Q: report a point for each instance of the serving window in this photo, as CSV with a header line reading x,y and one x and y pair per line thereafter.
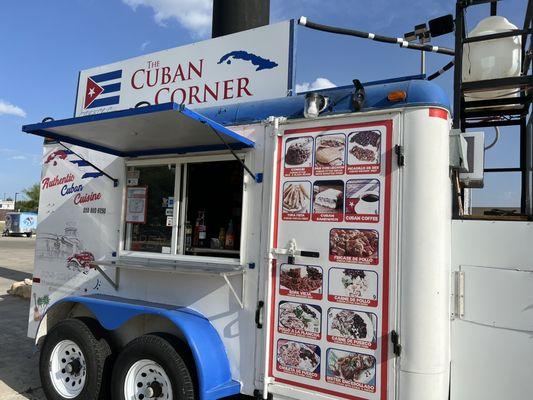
x,y
185,207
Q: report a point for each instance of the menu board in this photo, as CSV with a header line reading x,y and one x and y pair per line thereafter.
x,y
330,314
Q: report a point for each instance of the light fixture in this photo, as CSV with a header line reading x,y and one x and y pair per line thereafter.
x,y
442,25
397,95
358,96
314,104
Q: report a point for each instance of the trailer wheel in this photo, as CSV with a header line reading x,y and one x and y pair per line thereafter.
x,y
150,367
72,362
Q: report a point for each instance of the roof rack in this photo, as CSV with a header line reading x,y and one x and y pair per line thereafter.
x,y
492,112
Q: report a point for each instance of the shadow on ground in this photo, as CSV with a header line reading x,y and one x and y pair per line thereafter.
x,y
18,363
13,274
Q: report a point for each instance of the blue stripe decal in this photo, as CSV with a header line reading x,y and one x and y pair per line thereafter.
x,y
107,101
107,76
114,87
91,175
80,163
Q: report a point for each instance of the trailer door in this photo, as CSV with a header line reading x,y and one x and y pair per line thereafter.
x,y
332,285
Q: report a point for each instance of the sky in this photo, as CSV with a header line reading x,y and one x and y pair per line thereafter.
x,y
45,43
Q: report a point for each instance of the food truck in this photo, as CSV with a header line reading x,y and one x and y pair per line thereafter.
x,y
205,232
20,223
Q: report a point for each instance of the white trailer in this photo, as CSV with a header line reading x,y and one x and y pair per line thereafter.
x,y
201,253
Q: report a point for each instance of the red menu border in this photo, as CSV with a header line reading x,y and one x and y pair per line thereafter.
x,y
386,257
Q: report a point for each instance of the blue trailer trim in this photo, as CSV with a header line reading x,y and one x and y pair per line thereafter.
x,y
212,364
420,93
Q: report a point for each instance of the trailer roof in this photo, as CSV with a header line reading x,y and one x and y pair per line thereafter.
x,y
160,129
420,92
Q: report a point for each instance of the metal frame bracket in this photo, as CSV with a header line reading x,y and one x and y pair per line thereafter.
x,y
115,283
239,299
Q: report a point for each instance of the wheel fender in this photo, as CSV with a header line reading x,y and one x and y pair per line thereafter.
x,y
212,364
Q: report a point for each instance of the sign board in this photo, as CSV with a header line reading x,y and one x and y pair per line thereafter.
x,y
246,66
330,318
136,198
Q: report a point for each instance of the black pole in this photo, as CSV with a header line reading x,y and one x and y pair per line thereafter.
x,y
493,8
457,81
230,16
523,167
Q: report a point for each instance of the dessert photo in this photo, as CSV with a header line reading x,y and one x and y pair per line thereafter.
x,y
296,198
329,154
298,158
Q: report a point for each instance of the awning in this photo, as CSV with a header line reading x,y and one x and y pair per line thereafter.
x,y
152,130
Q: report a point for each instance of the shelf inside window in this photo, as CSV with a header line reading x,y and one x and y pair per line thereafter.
x,y
207,250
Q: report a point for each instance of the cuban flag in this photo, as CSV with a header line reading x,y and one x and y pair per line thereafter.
x,y
103,89
88,170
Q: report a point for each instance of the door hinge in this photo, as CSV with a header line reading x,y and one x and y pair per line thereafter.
x,y
259,314
459,295
400,156
396,346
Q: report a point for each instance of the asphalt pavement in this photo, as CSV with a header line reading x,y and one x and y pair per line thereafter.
x,y
19,375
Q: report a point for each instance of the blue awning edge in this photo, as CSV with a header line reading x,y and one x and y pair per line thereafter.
x,y
203,139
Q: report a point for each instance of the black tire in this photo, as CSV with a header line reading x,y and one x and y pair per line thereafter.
x,y
95,351
157,349
28,235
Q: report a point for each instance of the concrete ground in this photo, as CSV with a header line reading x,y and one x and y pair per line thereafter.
x,y
19,375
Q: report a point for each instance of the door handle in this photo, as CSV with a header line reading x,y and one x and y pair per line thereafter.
x,y
291,251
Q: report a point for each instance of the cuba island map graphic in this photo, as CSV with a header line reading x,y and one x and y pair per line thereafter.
x,y
260,62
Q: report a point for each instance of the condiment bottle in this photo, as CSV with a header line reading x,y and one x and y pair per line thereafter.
x,y
230,236
188,235
200,231
222,237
